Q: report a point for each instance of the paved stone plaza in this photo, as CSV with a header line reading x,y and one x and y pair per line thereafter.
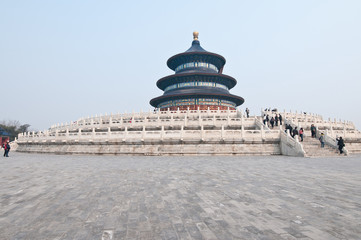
x,y
118,197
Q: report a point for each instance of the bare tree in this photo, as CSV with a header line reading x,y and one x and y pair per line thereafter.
x,y
13,128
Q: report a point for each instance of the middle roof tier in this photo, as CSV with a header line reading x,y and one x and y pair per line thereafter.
x,y
223,79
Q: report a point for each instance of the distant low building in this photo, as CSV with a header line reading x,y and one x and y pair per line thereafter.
x,y
4,136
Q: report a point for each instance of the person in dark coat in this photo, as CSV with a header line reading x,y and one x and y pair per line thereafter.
x,y
280,118
7,149
340,144
247,112
295,132
276,120
272,122
291,129
313,131
322,140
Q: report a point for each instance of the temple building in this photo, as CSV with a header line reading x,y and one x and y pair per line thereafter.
x,y
198,116
198,82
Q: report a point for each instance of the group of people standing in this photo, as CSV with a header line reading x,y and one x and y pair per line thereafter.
x,y
340,141
294,131
273,121
6,147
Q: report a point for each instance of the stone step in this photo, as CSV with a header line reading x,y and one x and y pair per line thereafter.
x,y
312,147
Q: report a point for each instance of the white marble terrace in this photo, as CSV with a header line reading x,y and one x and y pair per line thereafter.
x,y
210,125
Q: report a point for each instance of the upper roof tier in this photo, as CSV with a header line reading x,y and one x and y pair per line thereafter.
x,y
196,54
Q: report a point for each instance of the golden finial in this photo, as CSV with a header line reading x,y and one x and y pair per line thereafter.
x,y
195,35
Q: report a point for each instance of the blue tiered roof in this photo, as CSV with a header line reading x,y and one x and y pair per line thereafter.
x,y
198,81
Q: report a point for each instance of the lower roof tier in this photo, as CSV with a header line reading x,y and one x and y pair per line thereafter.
x,y
229,81
196,99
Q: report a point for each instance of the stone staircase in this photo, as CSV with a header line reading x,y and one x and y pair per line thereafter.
x,y
312,147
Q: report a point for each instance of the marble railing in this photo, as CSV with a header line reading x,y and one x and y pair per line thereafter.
x,y
160,118
291,146
292,114
305,120
162,135
330,139
149,125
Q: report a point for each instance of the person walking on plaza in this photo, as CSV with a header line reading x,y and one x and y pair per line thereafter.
x,y
6,149
247,112
301,134
313,131
340,144
322,140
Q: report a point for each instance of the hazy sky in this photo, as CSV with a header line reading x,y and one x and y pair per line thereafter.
x,y
62,60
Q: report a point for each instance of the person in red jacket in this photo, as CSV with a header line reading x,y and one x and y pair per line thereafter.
x,y
6,147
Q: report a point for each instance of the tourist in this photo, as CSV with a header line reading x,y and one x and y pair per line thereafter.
x,y
276,120
267,119
7,149
313,131
322,140
301,134
264,119
280,118
295,132
272,122
291,129
340,144
247,112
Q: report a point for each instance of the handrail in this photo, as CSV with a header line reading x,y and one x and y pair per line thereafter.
x,y
330,141
291,146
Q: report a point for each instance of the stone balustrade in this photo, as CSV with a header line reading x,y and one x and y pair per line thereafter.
x,y
152,135
163,132
152,123
163,116
291,146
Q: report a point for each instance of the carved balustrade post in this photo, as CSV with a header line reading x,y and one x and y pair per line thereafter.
x,y
242,132
182,133
162,133
222,132
125,133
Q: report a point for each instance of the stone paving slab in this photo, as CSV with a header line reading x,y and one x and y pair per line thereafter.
x,y
122,197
